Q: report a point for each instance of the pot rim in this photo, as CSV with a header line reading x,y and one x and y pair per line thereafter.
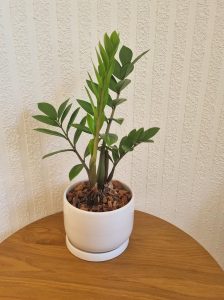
x,y
78,210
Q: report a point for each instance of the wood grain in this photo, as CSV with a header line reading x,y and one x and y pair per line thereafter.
x,y
161,262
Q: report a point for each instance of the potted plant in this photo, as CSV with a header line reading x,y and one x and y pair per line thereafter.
x,y
98,212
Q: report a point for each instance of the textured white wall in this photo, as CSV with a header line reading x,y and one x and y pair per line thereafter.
x,y
45,51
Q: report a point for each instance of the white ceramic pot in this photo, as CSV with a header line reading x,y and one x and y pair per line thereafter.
x,y
97,236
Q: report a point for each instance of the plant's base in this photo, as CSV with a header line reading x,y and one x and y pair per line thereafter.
x,y
91,256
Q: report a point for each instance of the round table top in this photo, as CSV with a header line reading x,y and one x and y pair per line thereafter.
x,y
161,262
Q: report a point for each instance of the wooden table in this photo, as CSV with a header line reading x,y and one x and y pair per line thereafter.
x,y
161,262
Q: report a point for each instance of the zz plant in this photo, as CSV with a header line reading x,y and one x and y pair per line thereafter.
x,y
111,78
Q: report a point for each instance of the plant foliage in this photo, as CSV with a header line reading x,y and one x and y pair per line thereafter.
x,y
111,72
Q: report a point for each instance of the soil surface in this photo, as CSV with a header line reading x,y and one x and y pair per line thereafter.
x,y
114,196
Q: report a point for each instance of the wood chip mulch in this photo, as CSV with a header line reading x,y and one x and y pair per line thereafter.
x,y
113,196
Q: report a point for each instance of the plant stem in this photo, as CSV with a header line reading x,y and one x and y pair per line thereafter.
x,y
111,116
104,159
110,177
92,163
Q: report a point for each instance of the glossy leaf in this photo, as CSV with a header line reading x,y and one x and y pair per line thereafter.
x,y
46,120
117,70
129,69
62,108
140,56
138,135
56,152
82,128
104,55
118,120
115,39
149,133
123,148
101,66
125,55
89,148
109,101
86,106
113,84
72,119
48,109
126,70
109,138
75,171
93,87
90,99
65,113
115,154
108,44
48,131
78,131
99,79
122,84
91,123
119,101
133,136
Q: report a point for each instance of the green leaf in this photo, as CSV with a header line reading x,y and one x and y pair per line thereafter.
x,y
51,132
75,171
99,79
86,106
91,123
113,84
104,55
118,120
46,120
115,154
101,67
148,134
65,113
48,110
138,135
82,128
93,87
109,138
91,100
78,131
126,70
109,74
125,55
123,147
126,144
133,136
72,119
122,84
89,148
109,101
129,69
115,39
119,101
117,70
62,108
140,56
108,44
56,152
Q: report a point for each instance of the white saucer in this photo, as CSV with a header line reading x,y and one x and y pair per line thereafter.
x,y
90,256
